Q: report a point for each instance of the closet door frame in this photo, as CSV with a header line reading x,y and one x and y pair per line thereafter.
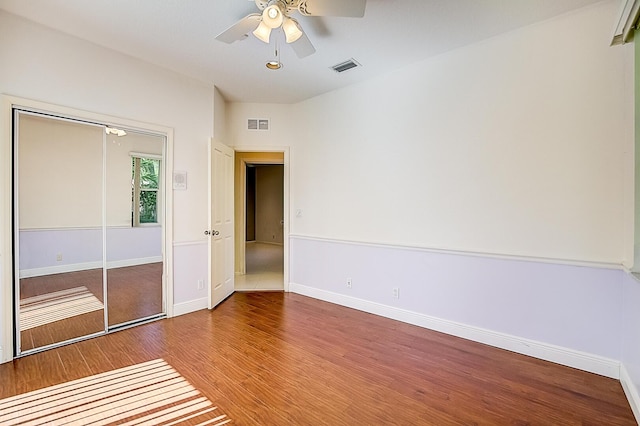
x,y
8,104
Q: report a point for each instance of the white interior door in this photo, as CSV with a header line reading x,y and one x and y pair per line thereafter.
x,y
221,249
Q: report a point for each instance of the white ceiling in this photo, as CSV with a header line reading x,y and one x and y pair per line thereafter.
x,y
180,35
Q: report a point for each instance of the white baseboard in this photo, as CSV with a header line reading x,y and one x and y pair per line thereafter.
x,y
560,355
61,269
631,391
133,262
190,306
75,267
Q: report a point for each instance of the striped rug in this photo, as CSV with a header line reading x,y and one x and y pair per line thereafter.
x,y
39,310
151,393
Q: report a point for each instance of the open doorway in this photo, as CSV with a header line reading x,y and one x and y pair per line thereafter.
x,y
260,236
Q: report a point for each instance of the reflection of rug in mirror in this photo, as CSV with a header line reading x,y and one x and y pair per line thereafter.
x,y
150,393
46,308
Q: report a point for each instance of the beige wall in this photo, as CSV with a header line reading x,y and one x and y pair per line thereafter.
x,y
513,146
269,203
60,174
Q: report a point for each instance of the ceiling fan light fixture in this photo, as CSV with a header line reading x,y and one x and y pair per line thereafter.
x,y
263,32
291,29
272,16
114,131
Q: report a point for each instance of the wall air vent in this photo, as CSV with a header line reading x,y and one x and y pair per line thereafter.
x,y
257,124
346,65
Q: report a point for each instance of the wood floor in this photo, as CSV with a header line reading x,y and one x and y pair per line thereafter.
x,y
282,358
133,292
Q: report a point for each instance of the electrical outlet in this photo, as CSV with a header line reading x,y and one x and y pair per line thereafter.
x,y
396,293
349,282
59,257
200,284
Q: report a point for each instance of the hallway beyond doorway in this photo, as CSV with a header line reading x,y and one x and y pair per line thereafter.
x,y
265,268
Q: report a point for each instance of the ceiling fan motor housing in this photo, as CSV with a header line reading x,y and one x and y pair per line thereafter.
x,y
286,6
275,14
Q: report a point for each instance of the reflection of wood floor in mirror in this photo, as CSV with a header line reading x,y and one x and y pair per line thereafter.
x,y
265,266
134,292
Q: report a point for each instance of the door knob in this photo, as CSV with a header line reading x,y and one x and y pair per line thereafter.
x,y
207,232
212,232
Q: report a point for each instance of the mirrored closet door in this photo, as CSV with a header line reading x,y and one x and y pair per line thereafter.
x,y
88,229
134,232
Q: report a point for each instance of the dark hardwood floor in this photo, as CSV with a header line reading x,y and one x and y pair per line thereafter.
x,y
281,358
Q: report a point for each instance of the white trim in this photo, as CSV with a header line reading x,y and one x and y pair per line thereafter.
x,y
167,223
143,155
103,229
560,355
83,228
286,151
190,243
133,262
190,306
6,232
240,266
60,269
458,252
70,228
626,23
85,266
630,391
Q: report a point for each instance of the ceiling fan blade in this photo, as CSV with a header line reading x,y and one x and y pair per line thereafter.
x,y
240,28
348,8
303,46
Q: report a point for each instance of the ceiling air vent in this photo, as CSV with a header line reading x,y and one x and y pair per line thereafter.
x,y
258,124
346,65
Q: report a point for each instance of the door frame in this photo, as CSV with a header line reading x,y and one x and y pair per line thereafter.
x,y
7,103
240,191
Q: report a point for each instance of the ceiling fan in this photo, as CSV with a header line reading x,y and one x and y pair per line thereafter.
x,y
275,14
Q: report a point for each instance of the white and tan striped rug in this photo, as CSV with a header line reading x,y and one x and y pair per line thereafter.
x,y
46,308
151,393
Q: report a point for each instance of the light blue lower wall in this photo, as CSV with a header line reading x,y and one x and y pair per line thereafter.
x,y
565,313
587,317
190,263
82,248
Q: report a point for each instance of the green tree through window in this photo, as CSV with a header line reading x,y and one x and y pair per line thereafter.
x,y
145,190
